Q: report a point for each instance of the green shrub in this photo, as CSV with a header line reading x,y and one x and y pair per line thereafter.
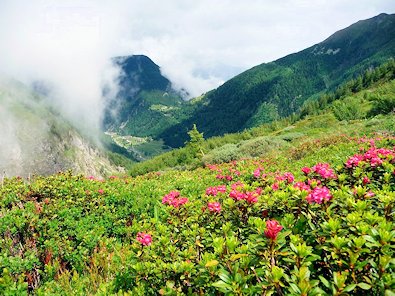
x,y
348,109
382,104
225,153
260,146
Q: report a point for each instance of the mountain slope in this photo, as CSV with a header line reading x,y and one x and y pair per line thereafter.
x,y
350,110
37,140
146,101
277,89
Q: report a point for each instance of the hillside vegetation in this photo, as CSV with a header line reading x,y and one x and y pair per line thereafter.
x,y
278,89
314,220
351,109
300,207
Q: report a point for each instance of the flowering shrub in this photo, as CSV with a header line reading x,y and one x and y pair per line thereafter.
x,y
214,207
173,199
272,229
328,230
215,190
319,195
144,238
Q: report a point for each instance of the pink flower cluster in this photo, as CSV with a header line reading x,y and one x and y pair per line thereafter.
x,y
213,167
144,238
224,177
272,229
229,177
302,186
288,177
374,156
257,172
324,170
214,207
173,199
319,195
214,190
250,196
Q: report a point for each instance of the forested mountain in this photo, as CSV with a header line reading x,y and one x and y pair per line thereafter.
x,y
145,102
277,89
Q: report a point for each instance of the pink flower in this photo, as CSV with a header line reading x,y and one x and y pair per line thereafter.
x,y
220,177
324,170
369,194
214,207
289,177
168,198
251,197
306,170
237,195
353,161
101,191
229,178
257,172
212,167
365,180
211,191
173,199
237,186
144,238
275,186
319,195
272,229
374,156
302,186
182,200
286,177
215,189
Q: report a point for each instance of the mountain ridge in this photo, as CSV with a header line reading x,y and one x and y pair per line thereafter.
x,y
272,90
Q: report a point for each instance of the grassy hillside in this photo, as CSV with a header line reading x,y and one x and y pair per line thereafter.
x,y
316,218
295,207
278,89
352,110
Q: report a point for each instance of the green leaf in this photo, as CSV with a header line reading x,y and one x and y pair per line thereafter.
x,y
212,263
325,281
225,276
295,288
222,286
349,288
237,256
364,286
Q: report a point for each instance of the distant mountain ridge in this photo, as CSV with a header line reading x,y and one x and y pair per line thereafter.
x,y
145,101
277,89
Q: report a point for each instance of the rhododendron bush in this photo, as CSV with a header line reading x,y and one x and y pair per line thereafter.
x,y
242,228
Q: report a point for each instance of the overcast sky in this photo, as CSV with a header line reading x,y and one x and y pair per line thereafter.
x,y
197,43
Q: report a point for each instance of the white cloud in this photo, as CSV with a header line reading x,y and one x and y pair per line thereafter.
x,y
198,43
